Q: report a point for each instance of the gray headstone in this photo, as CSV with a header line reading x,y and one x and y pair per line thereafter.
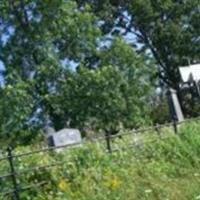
x,y
175,107
65,137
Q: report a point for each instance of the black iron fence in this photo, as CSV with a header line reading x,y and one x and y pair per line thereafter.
x,y
13,173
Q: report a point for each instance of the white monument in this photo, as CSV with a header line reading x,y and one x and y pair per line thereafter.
x,y
191,74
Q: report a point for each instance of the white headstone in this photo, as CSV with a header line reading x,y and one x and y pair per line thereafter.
x,y
190,73
65,137
195,69
185,74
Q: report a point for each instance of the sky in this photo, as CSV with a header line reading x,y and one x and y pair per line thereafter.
x,y
1,68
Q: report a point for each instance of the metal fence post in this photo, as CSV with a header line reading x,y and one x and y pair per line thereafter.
x,y
175,126
13,172
108,142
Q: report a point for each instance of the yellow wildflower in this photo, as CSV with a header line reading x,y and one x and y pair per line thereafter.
x,y
113,182
64,185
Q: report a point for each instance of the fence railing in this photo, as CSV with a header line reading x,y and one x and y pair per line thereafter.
x,y
10,157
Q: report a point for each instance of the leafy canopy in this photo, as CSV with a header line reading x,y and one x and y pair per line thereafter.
x,y
58,68
113,94
170,29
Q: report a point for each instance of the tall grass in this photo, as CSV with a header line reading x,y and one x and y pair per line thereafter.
x,y
166,169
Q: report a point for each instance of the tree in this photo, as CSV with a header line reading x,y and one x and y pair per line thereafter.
x,y
112,95
16,111
39,41
36,37
168,28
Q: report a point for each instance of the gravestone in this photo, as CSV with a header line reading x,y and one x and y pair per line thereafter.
x,y
191,74
174,105
65,137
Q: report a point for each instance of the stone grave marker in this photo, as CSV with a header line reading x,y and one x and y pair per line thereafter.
x,y
174,105
65,137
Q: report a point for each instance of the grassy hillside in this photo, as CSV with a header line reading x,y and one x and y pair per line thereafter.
x,y
166,169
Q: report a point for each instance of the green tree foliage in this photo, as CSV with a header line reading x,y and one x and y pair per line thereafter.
x,y
170,29
35,37
39,41
16,107
11,97
115,94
